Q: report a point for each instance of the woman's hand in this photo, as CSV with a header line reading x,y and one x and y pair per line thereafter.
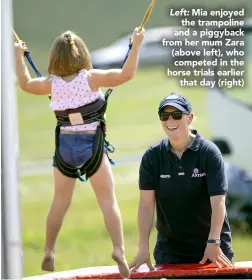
x,y
214,253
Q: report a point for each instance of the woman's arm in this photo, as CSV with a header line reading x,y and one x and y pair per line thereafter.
x,y
217,184
218,215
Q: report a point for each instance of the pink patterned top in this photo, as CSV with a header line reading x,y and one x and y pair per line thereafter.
x,y
71,95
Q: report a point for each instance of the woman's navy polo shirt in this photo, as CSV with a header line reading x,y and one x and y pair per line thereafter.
x,y
183,188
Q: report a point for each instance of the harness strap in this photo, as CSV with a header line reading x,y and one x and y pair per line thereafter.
x,y
91,166
89,113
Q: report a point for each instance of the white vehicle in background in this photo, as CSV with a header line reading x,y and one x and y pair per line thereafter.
x,y
230,121
230,112
152,52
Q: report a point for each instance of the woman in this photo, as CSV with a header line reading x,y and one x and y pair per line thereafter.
x,y
184,176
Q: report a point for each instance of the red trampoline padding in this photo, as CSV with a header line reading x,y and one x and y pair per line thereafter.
x,y
161,271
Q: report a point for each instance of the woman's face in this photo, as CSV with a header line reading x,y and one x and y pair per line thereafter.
x,y
177,124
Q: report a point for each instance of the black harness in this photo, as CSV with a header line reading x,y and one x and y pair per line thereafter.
x,y
89,113
86,114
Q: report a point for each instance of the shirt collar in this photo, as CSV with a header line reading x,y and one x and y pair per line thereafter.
x,y
194,145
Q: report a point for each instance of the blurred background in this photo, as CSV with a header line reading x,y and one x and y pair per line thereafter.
x,y
223,116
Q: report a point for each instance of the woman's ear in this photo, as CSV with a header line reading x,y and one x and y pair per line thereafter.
x,y
190,118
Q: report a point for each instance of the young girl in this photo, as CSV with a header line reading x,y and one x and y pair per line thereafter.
x,y
73,83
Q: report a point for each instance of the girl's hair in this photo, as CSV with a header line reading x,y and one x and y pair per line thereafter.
x,y
68,55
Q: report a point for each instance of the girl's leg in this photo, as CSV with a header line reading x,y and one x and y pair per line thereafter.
x,y
103,185
63,191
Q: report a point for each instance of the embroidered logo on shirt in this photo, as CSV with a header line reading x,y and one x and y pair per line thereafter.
x,y
165,176
197,174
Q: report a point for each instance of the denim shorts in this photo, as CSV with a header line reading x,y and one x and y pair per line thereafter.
x,y
76,149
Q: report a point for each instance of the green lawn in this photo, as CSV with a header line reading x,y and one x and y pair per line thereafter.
x,y
132,126
83,241
131,116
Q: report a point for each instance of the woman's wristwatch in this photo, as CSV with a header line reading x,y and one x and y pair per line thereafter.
x,y
214,241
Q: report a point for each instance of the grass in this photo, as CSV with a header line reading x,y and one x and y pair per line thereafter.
x,y
132,106
110,20
83,241
132,126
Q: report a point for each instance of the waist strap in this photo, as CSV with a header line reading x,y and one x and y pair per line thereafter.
x,y
83,115
90,167
86,114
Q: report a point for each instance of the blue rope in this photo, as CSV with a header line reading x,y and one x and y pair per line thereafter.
x,y
110,147
83,180
27,55
109,91
111,162
130,47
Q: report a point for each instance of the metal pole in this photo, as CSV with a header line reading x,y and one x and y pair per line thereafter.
x,y
12,247
3,237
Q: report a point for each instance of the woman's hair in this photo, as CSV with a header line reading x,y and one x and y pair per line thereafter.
x,y
68,55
